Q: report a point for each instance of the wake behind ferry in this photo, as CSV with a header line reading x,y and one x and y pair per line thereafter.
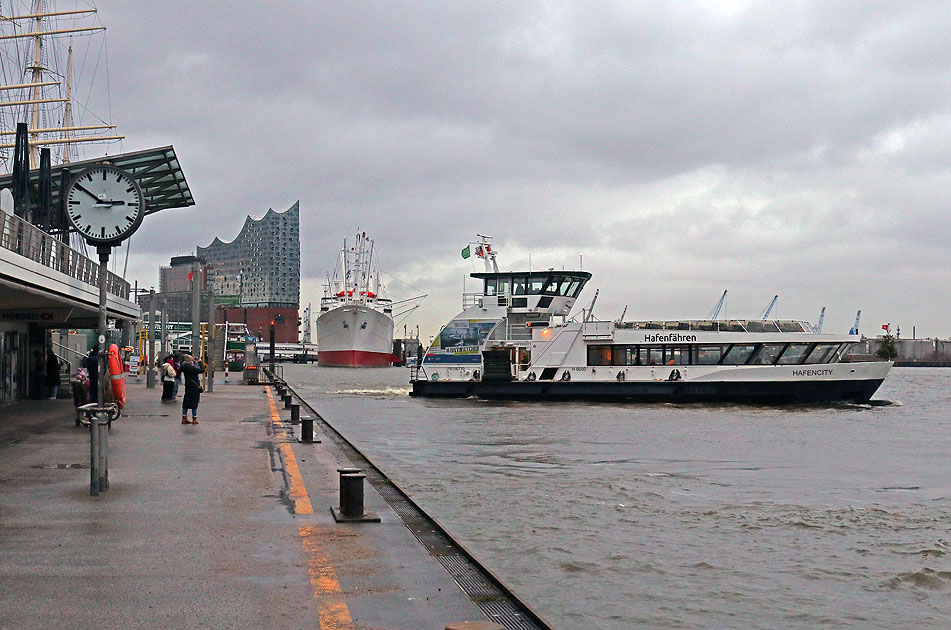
x,y
515,341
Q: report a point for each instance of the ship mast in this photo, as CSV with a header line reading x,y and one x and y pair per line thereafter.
x,y
68,114
36,85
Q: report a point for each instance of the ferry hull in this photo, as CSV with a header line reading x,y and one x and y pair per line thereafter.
x,y
354,336
758,392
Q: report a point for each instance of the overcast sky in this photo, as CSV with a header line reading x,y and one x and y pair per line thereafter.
x,y
792,148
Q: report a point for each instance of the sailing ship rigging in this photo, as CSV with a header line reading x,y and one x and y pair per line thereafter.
x,y
37,79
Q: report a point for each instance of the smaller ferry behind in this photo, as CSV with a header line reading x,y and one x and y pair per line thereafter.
x,y
514,340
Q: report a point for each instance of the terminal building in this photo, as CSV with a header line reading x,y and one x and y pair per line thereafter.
x,y
46,285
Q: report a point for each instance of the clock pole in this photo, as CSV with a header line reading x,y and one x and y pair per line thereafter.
x,y
98,473
105,211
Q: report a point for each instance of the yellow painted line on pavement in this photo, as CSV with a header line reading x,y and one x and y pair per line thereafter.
x,y
298,491
331,609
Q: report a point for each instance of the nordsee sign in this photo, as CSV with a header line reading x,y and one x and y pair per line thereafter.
x,y
26,316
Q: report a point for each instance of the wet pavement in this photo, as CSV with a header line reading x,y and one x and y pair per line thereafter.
x,y
203,526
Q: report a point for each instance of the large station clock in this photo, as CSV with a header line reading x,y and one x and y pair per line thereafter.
x,y
105,204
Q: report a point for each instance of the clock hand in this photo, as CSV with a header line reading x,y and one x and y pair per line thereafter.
x,y
113,203
94,196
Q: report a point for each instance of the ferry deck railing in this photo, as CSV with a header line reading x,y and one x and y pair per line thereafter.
x,y
25,239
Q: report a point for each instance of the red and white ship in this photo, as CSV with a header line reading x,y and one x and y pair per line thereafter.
x,y
355,324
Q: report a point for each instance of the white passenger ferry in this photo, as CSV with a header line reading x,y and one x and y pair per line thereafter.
x,y
515,340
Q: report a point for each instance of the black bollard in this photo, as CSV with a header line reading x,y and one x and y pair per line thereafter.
x,y
287,401
307,431
295,415
351,508
351,494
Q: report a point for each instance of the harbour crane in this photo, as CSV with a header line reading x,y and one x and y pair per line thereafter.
x,y
822,316
716,309
855,329
769,309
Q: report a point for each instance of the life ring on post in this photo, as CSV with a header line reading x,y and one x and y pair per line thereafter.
x,y
566,375
116,377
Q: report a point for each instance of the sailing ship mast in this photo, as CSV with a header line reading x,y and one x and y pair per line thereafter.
x,y
47,136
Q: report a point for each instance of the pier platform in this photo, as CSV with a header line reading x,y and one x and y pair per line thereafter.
x,y
223,524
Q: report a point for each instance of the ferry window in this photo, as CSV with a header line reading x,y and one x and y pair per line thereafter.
x,y
767,354
707,355
794,354
622,355
678,355
491,286
600,355
821,353
519,285
841,354
632,356
503,286
535,285
738,355
654,356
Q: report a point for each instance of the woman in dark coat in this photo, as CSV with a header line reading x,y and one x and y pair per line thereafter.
x,y
52,374
191,368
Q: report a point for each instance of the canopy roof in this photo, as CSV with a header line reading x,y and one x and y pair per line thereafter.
x,y
156,170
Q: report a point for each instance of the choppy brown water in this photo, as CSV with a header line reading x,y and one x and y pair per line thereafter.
x,y
623,516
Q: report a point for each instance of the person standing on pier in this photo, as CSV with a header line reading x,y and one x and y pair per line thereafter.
x,y
92,366
52,374
177,364
191,368
167,370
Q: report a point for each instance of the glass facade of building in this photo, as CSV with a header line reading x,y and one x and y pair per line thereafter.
x,y
261,266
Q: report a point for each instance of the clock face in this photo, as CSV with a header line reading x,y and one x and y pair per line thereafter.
x,y
104,204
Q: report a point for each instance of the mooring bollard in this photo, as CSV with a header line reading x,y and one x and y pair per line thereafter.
x,y
307,431
295,416
351,508
351,494
287,401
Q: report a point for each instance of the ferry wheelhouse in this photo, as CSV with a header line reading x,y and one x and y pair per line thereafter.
x,y
515,340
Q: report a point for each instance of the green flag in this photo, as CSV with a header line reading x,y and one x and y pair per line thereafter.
x,y
465,252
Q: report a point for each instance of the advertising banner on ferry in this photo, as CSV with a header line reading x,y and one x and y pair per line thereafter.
x,y
461,341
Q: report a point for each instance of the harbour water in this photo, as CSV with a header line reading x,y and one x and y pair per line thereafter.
x,y
617,516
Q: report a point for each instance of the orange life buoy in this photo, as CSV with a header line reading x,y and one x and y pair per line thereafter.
x,y
116,376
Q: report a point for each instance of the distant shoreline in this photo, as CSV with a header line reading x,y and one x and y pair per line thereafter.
x,y
902,363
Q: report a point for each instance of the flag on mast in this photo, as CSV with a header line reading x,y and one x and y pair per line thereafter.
x,y
466,253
